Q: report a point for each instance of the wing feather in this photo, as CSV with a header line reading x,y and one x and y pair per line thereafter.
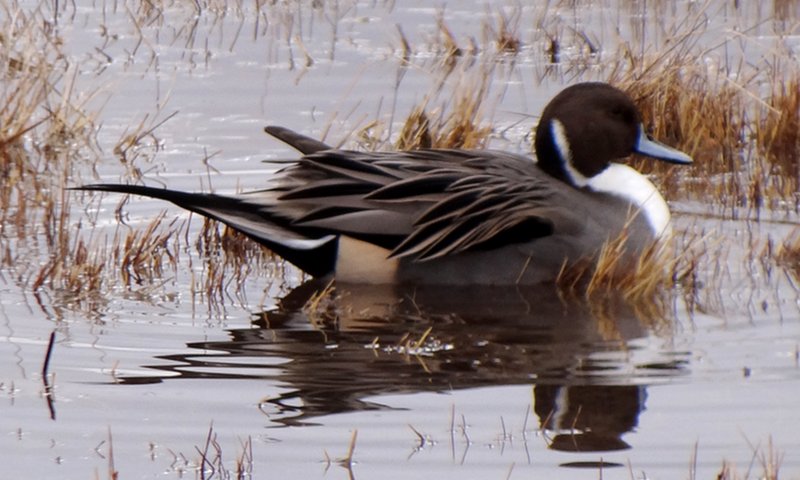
x,y
422,204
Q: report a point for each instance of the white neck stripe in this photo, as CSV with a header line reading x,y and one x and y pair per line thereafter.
x,y
565,152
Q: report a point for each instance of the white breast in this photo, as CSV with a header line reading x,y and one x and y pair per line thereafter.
x,y
625,182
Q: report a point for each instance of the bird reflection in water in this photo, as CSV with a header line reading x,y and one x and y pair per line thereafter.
x,y
362,342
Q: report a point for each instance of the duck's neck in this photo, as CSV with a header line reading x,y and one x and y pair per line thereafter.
x,y
553,152
556,158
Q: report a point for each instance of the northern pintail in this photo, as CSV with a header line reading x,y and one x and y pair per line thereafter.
x,y
456,217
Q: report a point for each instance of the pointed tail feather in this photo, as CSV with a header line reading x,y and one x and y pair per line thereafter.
x,y
301,143
315,256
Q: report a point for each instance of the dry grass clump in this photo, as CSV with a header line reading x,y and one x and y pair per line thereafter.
x,y
229,258
81,269
143,254
453,115
37,97
209,461
28,78
769,459
777,132
505,32
458,129
73,267
647,280
786,255
457,125
449,52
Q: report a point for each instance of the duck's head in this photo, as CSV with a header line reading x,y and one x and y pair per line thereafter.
x,y
589,125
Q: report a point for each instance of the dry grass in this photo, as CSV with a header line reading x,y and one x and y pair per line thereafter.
x,y
448,50
345,462
786,255
46,132
81,270
459,125
211,461
322,308
456,113
144,254
777,132
767,458
228,260
505,32
648,281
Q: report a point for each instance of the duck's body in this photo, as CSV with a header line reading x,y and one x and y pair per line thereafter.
x,y
456,217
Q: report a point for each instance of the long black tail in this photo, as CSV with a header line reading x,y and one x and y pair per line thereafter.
x,y
314,254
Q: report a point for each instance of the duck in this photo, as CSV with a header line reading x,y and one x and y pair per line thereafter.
x,y
456,217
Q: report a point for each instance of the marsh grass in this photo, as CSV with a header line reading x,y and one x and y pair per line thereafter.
x,y
47,131
323,307
82,269
777,132
210,460
765,459
48,134
144,254
501,31
228,260
648,281
785,255
457,125
449,51
346,461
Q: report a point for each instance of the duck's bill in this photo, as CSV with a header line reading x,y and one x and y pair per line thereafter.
x,y
651,148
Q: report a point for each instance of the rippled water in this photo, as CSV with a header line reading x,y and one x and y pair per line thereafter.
x,y
441,383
